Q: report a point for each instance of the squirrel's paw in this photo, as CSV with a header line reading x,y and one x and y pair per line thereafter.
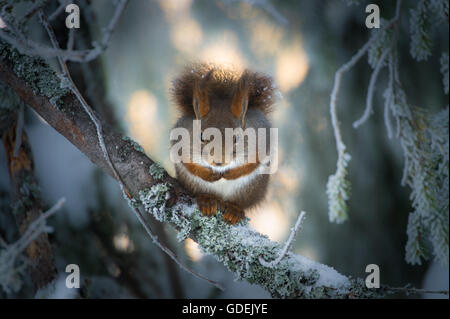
x,y
207,204
232,213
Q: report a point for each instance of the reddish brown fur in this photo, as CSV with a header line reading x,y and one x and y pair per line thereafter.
x,y
204,173
240,171
223,98
222,84
209,175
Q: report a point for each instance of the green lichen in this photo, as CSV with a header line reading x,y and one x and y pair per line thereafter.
x,y
135,145
157,171
154,200
239,248
358,289
36,73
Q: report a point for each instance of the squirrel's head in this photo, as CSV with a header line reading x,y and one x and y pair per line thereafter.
x,y
223,99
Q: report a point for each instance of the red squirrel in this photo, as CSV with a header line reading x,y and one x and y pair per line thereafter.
x,y
223,98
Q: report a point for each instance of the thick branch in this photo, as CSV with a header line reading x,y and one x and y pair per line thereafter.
x,y
27,204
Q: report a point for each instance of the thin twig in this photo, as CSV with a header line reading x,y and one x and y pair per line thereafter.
x,y
346,67
98,125
372,82
13,251
31,48
339,178
374,76
32,11
287,245
389,96
390,90
36,228
71,39
411,290
58,10
19,130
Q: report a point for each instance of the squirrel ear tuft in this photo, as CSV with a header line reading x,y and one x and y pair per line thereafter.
x,y
239,105
200,100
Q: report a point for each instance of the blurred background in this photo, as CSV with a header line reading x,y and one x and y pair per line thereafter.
x,y
300,44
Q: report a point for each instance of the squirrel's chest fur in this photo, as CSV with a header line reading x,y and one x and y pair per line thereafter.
x,y
223,188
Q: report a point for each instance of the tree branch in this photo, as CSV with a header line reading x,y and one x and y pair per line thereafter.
x,y
27,201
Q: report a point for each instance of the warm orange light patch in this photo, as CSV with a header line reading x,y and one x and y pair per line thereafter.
x,y
224,51
288,179
172,8
123,243
192,250
2,24
142,119
270,220
291,67
186,35
265,37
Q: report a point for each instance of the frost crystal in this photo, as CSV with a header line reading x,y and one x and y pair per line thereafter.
x,y
338,191
12,262
381,39
154,200
420,27
425,143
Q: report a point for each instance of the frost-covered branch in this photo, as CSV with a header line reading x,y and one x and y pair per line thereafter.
x,y
10,273
11,35
287,245
25,192
373,80
338,186
423,136
59,9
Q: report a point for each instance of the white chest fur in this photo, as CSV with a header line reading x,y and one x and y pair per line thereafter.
x,y
223,187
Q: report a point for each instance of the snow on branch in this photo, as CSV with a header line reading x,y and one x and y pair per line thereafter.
x,y
287,245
